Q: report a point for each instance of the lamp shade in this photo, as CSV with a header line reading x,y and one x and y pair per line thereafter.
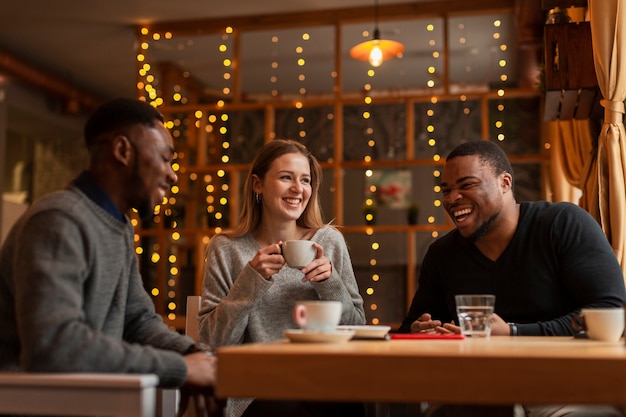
x,y
388,49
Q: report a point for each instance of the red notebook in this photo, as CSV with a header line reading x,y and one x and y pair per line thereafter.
x,y
407,336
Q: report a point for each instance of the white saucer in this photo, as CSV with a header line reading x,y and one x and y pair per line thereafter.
x,y
367,332
307,336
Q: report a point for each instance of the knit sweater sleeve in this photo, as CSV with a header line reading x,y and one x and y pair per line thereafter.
x,y
230,289
558,262
341,285
587,268
80,305
240,306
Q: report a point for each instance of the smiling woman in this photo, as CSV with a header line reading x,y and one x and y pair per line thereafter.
x,y
248,291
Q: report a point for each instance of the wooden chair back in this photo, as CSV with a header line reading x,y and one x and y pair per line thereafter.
x,y
191,319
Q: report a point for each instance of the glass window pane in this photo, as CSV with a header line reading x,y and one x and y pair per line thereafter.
x,y
442,125
213,203
379,262
426,194
202,201
284,64
188,69
245,134
514,124
178,124
419,69
376,132
312,126
422,242
217,137
145,251
527,181
482,52
391,192
327,193
180,273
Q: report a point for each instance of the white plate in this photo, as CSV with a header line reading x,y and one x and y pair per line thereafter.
x,y
304,336
367,332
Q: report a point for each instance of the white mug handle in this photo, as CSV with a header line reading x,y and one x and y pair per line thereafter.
x,y
299,315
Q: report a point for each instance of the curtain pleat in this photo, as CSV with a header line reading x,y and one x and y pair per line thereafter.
x,y
608,34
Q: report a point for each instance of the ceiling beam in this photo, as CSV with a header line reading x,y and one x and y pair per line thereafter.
x,y
330,17
551,4
75,99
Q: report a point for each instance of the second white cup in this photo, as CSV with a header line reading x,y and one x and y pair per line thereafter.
x,y
320,316
605,324
298,253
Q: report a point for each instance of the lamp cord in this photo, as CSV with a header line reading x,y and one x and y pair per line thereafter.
x,y
376,30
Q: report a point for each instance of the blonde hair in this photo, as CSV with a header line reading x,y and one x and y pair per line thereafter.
x,y
250,217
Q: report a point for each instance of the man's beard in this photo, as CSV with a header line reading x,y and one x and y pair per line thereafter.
x,y
483,229
145,210
144,206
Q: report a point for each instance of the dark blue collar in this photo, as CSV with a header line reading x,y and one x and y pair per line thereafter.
x,y
90,187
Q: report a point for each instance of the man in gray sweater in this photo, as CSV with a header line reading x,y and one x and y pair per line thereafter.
x,y
71,296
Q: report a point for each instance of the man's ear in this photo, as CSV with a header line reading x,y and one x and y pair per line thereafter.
x,y
507,182
123,150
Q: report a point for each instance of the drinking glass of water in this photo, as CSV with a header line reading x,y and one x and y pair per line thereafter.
x,y
474,312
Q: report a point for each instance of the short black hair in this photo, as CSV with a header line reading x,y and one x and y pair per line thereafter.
x,y
488,152
116,116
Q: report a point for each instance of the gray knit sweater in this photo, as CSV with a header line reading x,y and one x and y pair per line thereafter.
x,y
72,300
240,306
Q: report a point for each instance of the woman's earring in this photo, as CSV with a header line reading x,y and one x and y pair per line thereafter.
x,y
258,198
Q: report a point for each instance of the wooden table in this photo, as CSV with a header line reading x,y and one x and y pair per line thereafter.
x,y
78,394
499,370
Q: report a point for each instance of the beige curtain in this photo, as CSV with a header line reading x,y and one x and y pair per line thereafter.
x,y
571,145
590,198
608,33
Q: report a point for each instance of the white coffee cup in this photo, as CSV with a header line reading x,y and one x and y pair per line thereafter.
x,y
298,253
320,316
605,324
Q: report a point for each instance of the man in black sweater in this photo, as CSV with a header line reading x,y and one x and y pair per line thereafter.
x,y
543,261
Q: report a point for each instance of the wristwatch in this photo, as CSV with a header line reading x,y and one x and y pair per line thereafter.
x,y
513,328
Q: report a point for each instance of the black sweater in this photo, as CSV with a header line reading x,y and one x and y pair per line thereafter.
x,y
558,262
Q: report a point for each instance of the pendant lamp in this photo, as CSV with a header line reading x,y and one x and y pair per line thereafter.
x,y
376,50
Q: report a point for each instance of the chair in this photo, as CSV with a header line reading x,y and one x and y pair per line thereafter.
x,y
169,398
78,394
191,320
191,330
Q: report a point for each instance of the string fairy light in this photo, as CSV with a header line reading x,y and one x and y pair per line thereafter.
x,y
430,128
221,128
369,208
502,64
274,67
301,62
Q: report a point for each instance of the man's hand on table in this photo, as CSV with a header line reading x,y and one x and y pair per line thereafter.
x,y
199,386
426,324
